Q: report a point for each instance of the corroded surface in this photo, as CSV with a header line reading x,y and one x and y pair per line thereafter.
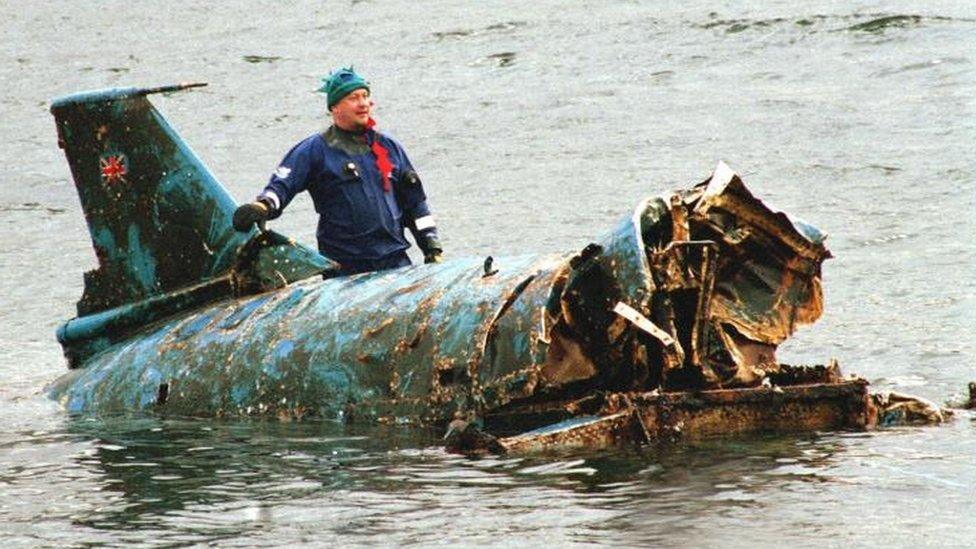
x,y
654,417
676,312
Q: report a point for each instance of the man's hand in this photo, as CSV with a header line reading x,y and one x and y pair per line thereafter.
x,y
247,215
432,249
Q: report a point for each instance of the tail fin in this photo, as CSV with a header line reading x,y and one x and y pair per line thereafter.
x,y
158,219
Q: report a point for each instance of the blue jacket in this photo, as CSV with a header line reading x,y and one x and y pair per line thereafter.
x,y
358,219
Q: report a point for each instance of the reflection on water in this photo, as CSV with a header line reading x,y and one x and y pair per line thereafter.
x,y
165,480
201,481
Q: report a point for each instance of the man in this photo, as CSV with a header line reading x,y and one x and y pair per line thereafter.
x,y
361,182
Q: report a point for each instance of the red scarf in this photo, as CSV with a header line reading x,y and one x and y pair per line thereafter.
x,y
382,156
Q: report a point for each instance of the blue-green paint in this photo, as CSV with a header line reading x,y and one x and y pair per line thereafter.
x,y
141,260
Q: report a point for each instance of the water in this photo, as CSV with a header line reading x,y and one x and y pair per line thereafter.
x,y
535,126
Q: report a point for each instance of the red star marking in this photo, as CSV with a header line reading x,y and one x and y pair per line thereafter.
x,y
113,168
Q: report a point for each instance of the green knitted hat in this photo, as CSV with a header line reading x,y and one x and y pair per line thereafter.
x,y
341,83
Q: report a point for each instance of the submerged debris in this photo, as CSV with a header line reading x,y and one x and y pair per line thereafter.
x,y
465,437
901,409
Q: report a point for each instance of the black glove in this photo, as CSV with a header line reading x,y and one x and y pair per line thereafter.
x,y
431,248
247,215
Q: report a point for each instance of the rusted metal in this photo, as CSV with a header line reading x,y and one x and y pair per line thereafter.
x,y
666,325
668,417
594,432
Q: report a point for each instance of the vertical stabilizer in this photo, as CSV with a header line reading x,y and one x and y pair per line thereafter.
x,y
158,219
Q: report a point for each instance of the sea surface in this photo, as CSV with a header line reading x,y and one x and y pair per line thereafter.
x,y
535,127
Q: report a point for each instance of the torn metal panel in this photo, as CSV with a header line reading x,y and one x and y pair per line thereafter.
x,y
640,418
593,432
769,283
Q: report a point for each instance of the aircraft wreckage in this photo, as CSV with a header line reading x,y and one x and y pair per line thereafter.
x,y
666,327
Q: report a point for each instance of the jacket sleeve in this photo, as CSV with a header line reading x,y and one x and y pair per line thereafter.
x,y
290,177
413,201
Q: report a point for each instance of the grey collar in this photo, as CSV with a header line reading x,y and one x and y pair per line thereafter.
x,y
346,141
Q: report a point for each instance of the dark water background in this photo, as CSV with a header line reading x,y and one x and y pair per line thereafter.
x,y
535,126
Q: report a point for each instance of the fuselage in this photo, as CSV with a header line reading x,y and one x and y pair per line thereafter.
x,y
407,343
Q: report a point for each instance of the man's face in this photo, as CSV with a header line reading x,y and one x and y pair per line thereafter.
x,y
353,111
